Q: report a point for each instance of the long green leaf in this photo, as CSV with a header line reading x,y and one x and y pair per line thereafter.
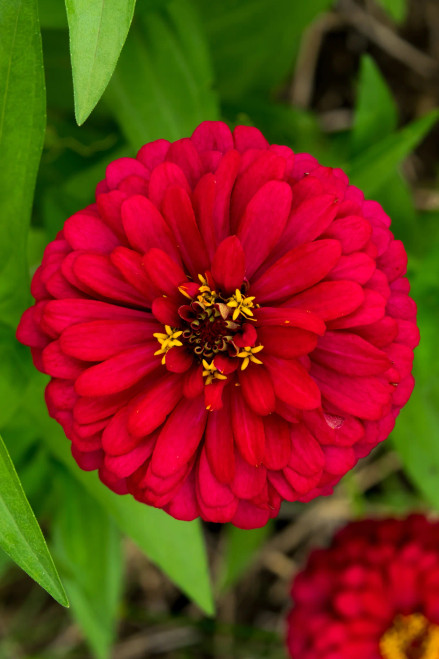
x,y
20,535
416,440
176,547
416,433
396,197
375,114
31,460
22,125
370,170
88,552
162,87
98,29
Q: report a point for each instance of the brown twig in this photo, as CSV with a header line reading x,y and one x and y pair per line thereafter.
x,y
303,82
384,37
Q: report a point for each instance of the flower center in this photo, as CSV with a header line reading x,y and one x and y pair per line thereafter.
x,y
410,637
212,325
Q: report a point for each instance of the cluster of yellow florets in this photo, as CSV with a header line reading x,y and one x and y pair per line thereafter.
x,y
406,630
215,306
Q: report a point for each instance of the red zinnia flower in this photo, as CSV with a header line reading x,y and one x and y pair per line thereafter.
x,y
374,594
226,327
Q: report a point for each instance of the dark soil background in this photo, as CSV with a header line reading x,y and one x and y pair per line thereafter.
x,y
155,619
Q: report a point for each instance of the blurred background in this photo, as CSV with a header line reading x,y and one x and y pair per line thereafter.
x,y
355,83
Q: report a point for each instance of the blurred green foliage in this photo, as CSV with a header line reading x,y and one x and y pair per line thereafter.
x,y
184,61
239,552
92,577
397,9
253,44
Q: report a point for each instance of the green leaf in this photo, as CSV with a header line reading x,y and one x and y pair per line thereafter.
x,y
370,170
20,535
397,9
22,124
52,14
176,547
162,85
376,114
241,548
254,42
396,197
31,460
416,432
88,552
98,30
415,438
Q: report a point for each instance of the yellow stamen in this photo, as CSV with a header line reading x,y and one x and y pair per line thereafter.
x,y
248,355
184,292
397,641
241,305
167,340
211,373
207,297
